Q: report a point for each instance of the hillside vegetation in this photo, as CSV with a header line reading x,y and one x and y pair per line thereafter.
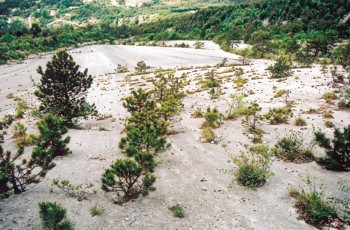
x,y
273,26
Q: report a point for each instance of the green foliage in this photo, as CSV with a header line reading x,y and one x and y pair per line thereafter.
x,y
337,150
341,56
251,121
63,88
53,217
51,142
208,134
279,115
5,122
261,42
17,172
227,23
212,118
237,106
127,179
167,91
280,69
96,210
254,166
314,207
145,160
292,148
212,84
178,211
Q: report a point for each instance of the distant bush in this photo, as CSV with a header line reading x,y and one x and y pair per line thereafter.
x,y
279,115
300,122
280,69
198,113
212,118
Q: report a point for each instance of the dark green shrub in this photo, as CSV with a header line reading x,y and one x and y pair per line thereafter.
x,y
337,150
212,118
178,211
292,148
51,143
53,217
127,179
280,69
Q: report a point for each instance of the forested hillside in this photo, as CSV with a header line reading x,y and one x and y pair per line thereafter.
x,y
253,22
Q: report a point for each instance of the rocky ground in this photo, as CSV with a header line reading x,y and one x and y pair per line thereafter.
x,y
189,173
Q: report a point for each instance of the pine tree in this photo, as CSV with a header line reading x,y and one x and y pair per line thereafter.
x,y
53,217
16,172
63,88
127,179
51,143
337,150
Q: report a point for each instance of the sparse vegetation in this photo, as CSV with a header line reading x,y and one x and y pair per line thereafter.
x,y
292,148
141,67
254,166
279,115
300,121
314,207
178,211
96,210
79,191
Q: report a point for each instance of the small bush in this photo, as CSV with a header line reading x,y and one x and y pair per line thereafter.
x,y
300,122
208,135
212,118
280,93
237,106
79,191
328,124
178,211
292,148
314,207
96,210
328,114
53,217
337,150
330,96
198,113
253,166
240,82
279,115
